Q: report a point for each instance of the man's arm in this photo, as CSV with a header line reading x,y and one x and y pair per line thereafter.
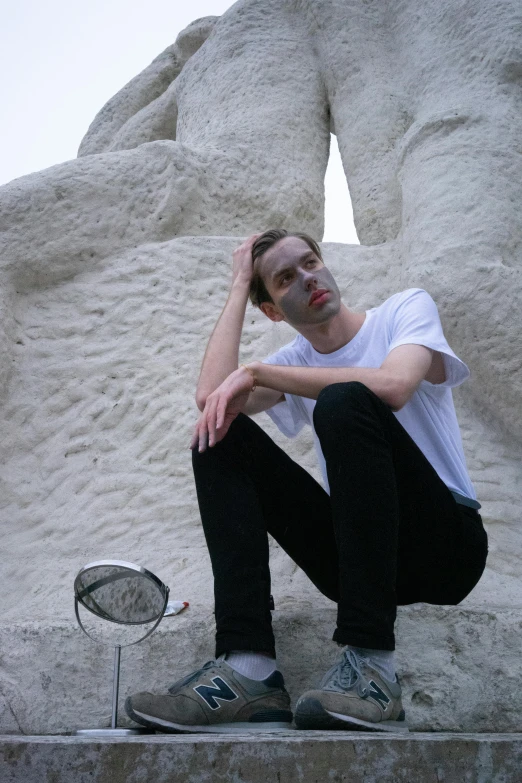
x,y
394,381
222,353
262,400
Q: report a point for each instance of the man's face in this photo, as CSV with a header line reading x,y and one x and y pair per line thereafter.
x,y
302,288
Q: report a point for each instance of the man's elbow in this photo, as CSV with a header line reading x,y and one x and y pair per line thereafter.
x,y
399,394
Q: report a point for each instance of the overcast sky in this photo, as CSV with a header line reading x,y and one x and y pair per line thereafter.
x,y
61,60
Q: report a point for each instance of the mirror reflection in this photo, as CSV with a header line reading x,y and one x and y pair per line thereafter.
x,y
115,593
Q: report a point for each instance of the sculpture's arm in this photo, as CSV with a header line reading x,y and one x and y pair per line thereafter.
x,y
145,109
154,122
131,99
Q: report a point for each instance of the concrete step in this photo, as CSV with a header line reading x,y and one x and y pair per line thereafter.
x,y
460,667
285,757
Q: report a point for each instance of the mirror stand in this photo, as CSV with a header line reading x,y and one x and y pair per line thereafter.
x,y
114,731
125,594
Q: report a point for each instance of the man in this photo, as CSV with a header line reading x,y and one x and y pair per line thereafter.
x,y
398,519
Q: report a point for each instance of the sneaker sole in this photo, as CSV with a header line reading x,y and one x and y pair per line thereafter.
x,y
219,728
311,714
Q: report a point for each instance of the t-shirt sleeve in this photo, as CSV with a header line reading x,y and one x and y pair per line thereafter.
x,y
416,321
289,416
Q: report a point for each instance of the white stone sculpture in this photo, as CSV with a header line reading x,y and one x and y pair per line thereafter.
x,y
114,266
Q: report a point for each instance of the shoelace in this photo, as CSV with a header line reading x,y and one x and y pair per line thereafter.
x,y
190,677
348,672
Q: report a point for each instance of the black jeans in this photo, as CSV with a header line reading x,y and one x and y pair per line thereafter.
x,y
390,533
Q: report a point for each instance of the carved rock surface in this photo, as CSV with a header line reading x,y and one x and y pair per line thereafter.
x,y
98,417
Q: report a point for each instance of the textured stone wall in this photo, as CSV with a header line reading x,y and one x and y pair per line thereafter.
x,y
113,268
98,417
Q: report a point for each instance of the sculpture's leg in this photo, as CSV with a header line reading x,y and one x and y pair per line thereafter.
x,y
462,189
255,90
367,104
461,175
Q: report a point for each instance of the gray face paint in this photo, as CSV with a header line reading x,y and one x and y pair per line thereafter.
x,y
294,303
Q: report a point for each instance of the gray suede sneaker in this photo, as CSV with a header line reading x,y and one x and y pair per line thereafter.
x,y
215,698
354,697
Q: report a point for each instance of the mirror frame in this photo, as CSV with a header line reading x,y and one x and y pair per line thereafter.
x,y
132,567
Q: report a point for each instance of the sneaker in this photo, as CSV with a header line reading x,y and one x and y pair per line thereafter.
x,y
215,698
354,697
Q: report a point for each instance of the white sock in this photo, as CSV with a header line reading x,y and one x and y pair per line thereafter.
x,y
254,665
383,661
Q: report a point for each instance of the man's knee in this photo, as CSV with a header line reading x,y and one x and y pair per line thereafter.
x,y
237,444
231,441
340,401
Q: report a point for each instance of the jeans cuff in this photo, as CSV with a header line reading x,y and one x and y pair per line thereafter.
x,y
363,640
228,642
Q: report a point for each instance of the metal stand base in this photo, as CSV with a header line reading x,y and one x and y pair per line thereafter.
x,y
114,731
111,732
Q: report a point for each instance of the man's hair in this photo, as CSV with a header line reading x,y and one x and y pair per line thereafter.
x,y
258,291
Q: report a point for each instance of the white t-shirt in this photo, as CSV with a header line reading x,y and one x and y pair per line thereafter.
x,y
409,317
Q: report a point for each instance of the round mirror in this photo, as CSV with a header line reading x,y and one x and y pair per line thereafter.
x,y
121,592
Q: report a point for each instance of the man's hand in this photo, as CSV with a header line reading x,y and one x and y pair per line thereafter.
x,y
242,264
221,408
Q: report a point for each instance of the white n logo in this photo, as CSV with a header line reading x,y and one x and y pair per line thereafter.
x,y
378,694
220,690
